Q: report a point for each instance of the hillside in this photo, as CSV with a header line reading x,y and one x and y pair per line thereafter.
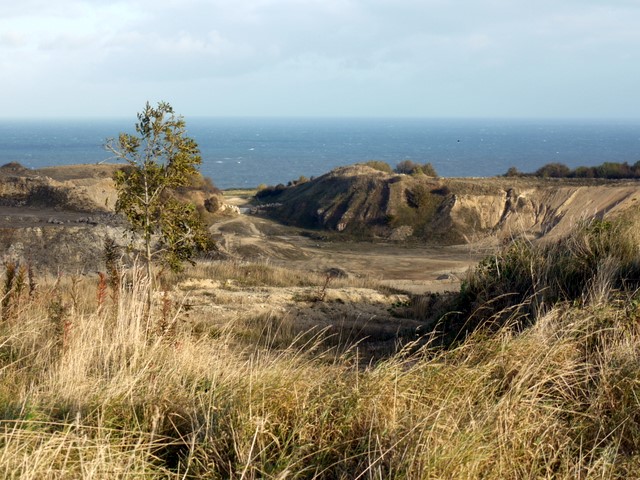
x,y
359,200
58,217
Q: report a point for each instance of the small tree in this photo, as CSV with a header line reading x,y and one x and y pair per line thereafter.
x,y
378,165
553,170
161,157
407,167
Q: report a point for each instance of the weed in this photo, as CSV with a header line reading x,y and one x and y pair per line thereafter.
x,y
101,290
112,261
60,319
16,276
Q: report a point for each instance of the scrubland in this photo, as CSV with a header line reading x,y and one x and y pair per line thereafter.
x,y
531,371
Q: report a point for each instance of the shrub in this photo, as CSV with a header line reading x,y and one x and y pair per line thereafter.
x,y
419,209
513,172
408,167
608,170
443,191
614,170
379,165
428,170
270,191
553,170
213,204
584,172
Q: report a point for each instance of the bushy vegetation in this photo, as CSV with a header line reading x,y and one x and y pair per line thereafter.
x,y
266,192
410,167
422,203
379,165
160,157
524,280
608,170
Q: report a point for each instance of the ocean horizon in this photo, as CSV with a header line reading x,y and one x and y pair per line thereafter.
x,y
246,152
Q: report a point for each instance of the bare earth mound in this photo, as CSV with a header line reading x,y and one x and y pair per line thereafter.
x,y
359,200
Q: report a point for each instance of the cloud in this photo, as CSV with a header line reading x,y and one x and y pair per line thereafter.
x,y
12,40
358,48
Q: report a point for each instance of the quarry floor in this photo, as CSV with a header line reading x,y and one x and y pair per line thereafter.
x,y
404,266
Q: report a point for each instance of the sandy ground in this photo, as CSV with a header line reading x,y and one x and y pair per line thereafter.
x,y
366,316
411,268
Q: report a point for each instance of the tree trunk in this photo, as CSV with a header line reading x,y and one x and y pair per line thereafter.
x,y
147,245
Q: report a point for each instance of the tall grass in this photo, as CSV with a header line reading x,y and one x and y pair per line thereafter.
x,y
111,396
523,280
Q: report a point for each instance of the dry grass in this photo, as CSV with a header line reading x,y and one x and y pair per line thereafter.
x,y
88,393
258,274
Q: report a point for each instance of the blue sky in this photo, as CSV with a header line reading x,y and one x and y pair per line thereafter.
x,y
424,58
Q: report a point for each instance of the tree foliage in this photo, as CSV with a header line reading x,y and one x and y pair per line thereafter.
x,y
607,170
379,165
161,158
409,167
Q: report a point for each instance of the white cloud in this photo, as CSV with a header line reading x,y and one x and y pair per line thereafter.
x,y
12,39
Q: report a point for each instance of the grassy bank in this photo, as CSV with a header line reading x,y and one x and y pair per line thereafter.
x,y
93,386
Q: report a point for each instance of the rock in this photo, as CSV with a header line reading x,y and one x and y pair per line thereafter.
x,y
450,277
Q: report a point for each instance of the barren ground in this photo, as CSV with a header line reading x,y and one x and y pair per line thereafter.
x,y
412,268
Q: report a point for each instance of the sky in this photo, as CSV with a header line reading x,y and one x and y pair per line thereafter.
x,y
342,58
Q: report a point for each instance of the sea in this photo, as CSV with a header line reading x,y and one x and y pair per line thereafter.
x,y
247,152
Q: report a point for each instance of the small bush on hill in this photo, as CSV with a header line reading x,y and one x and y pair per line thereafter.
x,y
301,179
270,191
410,167
443,191
213,204
379,165
407,167
197,181
513,172
428,170
585,172
421,205
615,170
553,170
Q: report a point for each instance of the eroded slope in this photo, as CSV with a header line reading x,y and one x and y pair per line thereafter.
x,y
359,200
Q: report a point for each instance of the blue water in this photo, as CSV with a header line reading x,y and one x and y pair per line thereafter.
x,y
245,152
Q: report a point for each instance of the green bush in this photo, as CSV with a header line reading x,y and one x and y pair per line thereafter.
x,y
428,170
270,191
419,209
614,170
379,165
608,170
513,172
408,167
553,170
